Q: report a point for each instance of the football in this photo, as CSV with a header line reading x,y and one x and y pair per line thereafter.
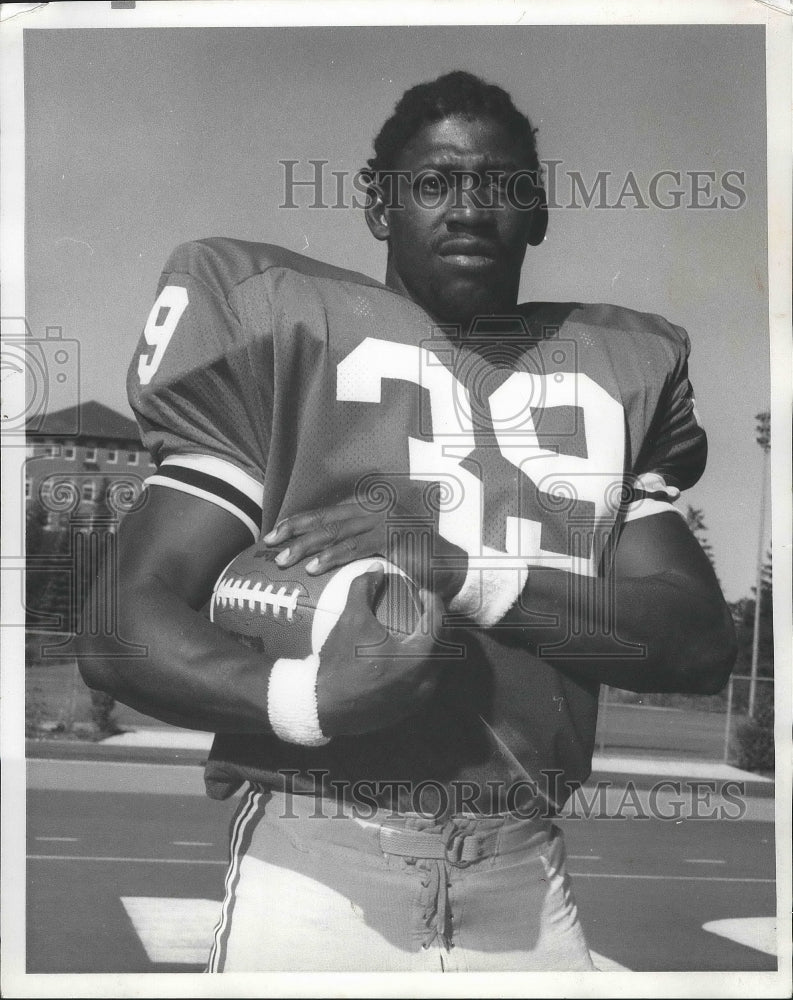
x,y
288,613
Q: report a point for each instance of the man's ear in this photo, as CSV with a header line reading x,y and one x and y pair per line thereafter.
x,y
538,225
376,212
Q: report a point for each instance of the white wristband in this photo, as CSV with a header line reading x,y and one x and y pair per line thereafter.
x,y
494,583
292,701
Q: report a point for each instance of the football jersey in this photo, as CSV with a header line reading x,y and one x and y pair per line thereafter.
x,y
269,384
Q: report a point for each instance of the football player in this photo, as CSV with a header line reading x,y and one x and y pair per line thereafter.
x,y
520,461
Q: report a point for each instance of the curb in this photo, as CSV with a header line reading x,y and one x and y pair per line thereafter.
x,y
88,750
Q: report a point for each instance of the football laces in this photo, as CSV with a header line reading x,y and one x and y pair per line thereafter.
x,y
237,593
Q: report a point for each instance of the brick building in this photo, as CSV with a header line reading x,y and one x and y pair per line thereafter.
x,y
84,455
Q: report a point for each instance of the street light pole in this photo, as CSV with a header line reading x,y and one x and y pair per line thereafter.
x,y
764,440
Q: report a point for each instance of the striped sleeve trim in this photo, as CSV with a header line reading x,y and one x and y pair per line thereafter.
x,y
651,494
217,481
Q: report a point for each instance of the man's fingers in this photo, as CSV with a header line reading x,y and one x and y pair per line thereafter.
x,y
422,639
431,610
364,589
336,543
345,551
295,525
322,519
317,532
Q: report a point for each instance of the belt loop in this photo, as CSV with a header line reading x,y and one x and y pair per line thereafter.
x,y
454,849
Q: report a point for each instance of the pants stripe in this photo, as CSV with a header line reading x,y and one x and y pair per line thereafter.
x,y
241,832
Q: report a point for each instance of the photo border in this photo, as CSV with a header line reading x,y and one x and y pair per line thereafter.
x,y
17,18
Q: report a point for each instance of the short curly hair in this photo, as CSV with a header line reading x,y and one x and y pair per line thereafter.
x,y
456,93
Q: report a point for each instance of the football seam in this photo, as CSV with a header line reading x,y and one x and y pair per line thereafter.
x,y
239,593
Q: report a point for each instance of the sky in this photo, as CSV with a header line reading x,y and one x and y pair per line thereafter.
x,y
137,140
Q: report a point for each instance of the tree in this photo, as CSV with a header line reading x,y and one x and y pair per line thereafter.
x,y
35,577
35,526
744,617
47,584
755,735
695,518
56,598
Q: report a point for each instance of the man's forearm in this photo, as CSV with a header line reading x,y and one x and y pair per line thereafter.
x,y
653,633
189,673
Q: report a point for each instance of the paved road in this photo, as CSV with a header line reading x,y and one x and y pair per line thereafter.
x,y
688,732
682,732
128,881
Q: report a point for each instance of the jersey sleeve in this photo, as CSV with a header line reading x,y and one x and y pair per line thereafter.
x,y
675,451
198,384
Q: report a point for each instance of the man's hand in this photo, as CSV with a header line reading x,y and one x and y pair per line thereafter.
x,y
369,679
337,535
659,623
183,669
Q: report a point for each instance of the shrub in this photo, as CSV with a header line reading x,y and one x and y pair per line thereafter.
x,y
102,706
756,735
34,710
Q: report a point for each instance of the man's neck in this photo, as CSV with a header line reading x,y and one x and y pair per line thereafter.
x,y
394,281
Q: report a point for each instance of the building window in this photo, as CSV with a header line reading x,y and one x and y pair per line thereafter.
x,y
112,456
88,491
90,454
132,458
68,452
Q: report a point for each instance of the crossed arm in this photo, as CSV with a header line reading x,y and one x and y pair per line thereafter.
x,y
193,674
657,623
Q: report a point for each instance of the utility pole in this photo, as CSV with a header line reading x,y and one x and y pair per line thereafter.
x,y
763,432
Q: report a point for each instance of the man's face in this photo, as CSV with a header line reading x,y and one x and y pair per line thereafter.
x,y
456,238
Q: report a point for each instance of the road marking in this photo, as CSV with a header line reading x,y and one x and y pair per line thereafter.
x,y
753,932
603,964
64,840
191,843
584,857
173,930
145,861
705,861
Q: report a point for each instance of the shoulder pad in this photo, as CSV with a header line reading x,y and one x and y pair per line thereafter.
x,y
222,263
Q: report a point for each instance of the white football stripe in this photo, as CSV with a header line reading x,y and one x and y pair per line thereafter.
x,y
333,599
